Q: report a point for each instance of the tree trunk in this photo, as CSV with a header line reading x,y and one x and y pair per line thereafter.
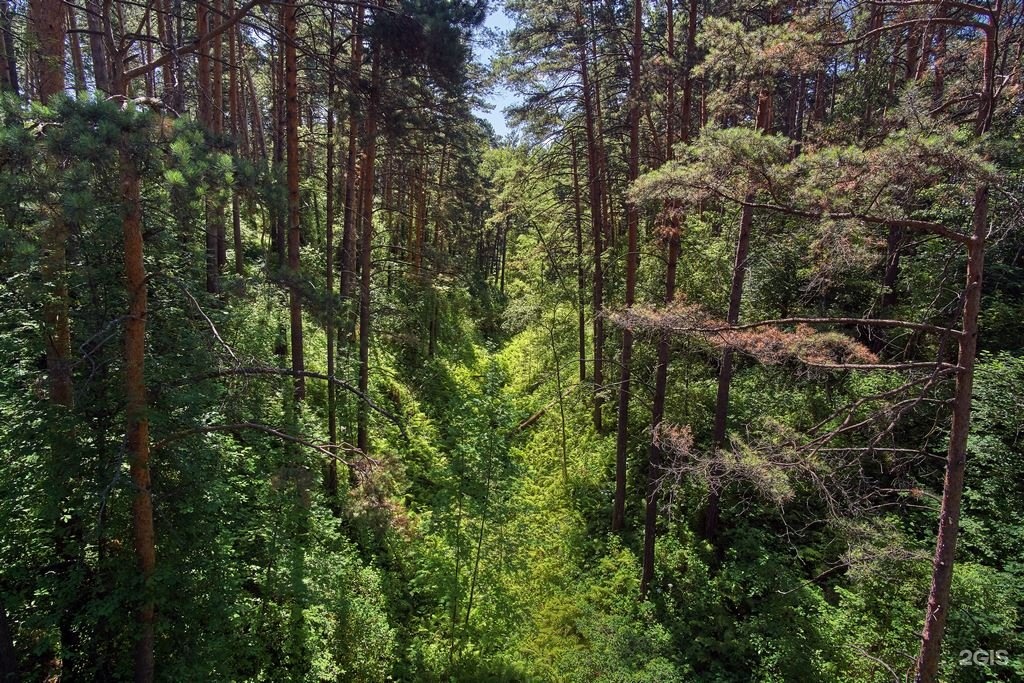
x,y
204,81
146,56
47,31
739,270
203,68
277,115
46,28
74,40
235,107
289,15
241,125
331,479
503,257
137,439
137,421
258,134
956,456
8,58
217,126
420,218
581,277
892,268
711,513
654,454
939,81
349,222
366,249
632,261
168,86
691,58
595,191
97,46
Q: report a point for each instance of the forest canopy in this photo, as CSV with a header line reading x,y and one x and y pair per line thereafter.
x,y
709,370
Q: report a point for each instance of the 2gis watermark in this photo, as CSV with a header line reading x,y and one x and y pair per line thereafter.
x,y
984,658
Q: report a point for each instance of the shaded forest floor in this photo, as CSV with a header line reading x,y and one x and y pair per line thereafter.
x,y
497,562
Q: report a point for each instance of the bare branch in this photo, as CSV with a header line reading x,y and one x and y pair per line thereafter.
x,y
188,48
865,322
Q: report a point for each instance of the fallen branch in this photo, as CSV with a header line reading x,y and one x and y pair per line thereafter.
x,y
540,413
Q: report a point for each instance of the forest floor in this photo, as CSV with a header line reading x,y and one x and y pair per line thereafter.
x,y
512,510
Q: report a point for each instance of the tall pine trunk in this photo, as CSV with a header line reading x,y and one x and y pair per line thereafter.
x,y
595,190
672,228
291,78
937,610
217,126
632,262
366,250
166,33
74,41
351,217
581,276
46,36
237,116
204,82
101,65
725,370
331,479
8,58
137,431
47,33
136,406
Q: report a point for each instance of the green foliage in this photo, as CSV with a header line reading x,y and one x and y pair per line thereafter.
x,y
471,543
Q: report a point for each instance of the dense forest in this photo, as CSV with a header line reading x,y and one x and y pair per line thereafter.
x,y
710,370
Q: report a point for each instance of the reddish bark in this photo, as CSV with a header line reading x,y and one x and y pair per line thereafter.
x,y
581,277
204,75
237,118
632,262
217,125
739,270
654,452
8,58
331,479
596,194
348,237
47,33
167,71
289,15
47,29
137,429
937,611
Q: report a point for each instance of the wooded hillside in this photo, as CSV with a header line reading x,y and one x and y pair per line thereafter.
x,y
710,370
